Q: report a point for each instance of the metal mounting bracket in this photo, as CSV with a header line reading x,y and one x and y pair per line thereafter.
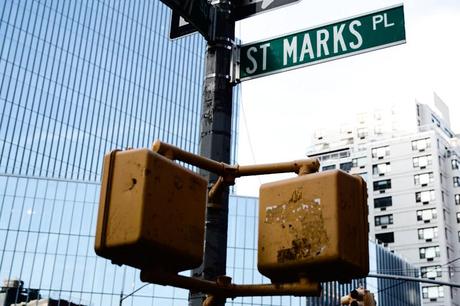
x,y
235,65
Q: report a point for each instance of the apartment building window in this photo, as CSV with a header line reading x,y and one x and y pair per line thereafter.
x,y
383,202
458,236
380,152
427,214
456,181
429,252
458,217
381,169
457,199
448,133
451,274
423,178
431,271
382,185
362,133
422,161
428,233
383,220
385,237
432,292
421,144
329,167
435,120
329,156
449,253
346,166
454,164
359,162
424,196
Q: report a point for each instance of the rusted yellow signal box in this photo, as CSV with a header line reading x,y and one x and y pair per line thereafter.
x,y
314,226
151,212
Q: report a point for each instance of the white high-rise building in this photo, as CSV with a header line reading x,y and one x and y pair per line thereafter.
x,y
413,180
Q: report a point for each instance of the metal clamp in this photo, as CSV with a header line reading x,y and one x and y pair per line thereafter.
x,y
220,44
235,64
217,75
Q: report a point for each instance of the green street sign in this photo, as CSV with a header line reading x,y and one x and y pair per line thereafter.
x,y
368,32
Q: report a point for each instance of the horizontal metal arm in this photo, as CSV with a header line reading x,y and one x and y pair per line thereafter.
x,y
175,153
300,167
224,288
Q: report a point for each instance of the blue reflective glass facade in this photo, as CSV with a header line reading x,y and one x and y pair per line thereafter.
x,y
394,292
79,78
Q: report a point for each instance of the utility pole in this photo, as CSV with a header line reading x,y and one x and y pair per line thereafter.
x,y
216,123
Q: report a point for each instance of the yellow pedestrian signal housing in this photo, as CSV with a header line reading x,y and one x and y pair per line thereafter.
x,y
151,212
314,226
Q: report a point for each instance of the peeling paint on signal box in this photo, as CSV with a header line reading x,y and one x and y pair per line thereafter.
x,y
302,219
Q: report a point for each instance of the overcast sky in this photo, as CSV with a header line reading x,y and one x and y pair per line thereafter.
x,y
280,112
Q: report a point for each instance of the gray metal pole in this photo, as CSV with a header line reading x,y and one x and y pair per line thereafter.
x,y
216,121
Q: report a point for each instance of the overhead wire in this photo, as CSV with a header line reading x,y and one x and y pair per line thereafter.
x,y
243,116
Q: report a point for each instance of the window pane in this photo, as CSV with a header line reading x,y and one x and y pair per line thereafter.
x,y
381,169
346,166
385,237
383,202
380,185
384,220
380,152
330,167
